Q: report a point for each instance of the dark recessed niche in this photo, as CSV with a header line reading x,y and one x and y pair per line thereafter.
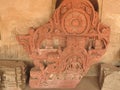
x,y
58,3
95,4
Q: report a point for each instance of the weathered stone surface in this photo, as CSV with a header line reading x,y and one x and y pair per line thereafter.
x,y
109,77
16,17
13,75
111,17
64,48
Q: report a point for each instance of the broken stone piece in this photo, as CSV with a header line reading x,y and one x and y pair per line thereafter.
x,y
12,74
109,77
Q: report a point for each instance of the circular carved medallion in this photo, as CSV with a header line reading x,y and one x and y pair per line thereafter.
x,y
75,22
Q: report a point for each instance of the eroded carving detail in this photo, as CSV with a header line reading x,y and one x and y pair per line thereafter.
x,y
64,49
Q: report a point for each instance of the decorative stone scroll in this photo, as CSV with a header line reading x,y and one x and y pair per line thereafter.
x,y
64,48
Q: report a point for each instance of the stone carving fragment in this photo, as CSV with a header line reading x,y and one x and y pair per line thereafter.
x,y
64,48
109,77
12,75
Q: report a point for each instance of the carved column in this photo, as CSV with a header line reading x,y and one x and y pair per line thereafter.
x,y
64,48
12,75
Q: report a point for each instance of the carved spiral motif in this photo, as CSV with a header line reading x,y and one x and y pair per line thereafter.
x,y
75,22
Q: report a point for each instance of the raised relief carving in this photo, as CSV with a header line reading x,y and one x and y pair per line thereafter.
x,y
64,48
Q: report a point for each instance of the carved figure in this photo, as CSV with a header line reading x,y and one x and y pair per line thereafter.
x,y
64,48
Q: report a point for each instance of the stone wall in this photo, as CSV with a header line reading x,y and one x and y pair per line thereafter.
x,y
109,13
17,16
111,17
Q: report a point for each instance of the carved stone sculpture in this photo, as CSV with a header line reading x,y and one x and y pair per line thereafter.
x,y
64,48
12,75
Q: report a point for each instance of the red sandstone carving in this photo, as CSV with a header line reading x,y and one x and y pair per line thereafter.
x,y
64,49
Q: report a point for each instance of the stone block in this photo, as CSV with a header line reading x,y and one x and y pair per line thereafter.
x,y
109,77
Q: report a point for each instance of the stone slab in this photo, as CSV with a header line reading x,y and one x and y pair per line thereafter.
x,y
109,77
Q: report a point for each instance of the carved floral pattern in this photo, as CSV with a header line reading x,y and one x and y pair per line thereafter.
x,y
64,49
